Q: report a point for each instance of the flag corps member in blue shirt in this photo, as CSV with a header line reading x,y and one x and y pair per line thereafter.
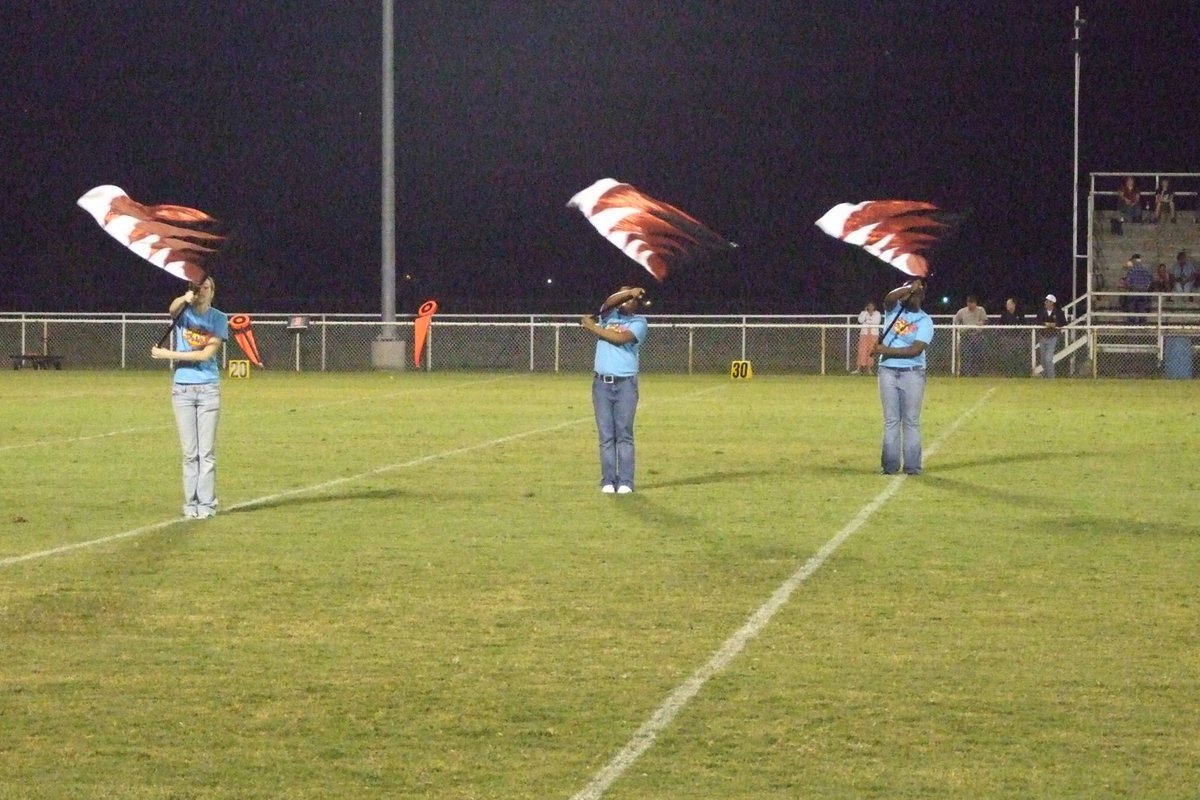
x,y
620,333
199,332
901,353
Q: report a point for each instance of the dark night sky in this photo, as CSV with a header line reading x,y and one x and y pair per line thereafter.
x,y
755,117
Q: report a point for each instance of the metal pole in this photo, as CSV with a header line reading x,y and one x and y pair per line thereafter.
x,y
388,241
1075,174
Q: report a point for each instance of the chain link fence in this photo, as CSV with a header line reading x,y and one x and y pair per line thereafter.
x,y
1162,344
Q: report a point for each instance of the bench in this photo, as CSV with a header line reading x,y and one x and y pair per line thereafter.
x,y
36,360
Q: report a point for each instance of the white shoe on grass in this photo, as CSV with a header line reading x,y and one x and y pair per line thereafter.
x,y
608,488
625,490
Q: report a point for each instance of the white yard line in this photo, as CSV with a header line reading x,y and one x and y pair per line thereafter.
x,y
317,487
646,735
75,439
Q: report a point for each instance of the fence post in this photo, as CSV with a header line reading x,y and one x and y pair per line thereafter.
x,y
850,365
691,349
1092,348
823,329
557,345
954,349
324,363
124,340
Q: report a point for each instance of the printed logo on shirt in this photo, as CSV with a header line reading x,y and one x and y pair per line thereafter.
x,y
196,339
904,327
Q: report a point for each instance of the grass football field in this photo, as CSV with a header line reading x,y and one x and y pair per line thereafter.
x,y
415,589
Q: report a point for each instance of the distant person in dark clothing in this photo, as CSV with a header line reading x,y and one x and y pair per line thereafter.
x,y
1013,343
1137,278
1161,282
1012,314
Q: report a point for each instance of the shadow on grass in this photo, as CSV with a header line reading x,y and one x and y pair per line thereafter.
x,y
940,466
646,508
1021,458
1095,525
1075,524
299,499
992,493
649,511
721,476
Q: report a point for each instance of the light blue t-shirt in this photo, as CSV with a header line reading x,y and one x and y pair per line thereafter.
x,y
620,360
913,326
192,332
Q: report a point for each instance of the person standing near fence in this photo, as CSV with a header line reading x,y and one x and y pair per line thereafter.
x,y
620,333
868,334
972,317
1052,319
1016,354
902,377
199,330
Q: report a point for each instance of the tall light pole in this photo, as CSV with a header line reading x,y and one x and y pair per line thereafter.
x,y
1075,255
388,214
387,352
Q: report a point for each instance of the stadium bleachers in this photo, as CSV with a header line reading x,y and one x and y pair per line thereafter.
x,y
1157,242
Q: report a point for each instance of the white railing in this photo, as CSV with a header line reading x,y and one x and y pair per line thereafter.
x,y
1100,344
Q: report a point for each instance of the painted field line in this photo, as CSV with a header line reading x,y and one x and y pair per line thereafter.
x,y
171,425
317,487
646,735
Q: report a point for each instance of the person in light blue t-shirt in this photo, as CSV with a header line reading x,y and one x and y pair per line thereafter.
x,y
908,331
620,333
198,332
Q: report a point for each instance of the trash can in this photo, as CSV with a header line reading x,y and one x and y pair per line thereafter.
x,y
1177,357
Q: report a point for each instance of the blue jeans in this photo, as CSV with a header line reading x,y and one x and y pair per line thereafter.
x,y
1046,348
901,394
197,408
615,405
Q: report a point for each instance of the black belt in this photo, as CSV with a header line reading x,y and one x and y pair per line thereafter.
x,y
900,369
613,378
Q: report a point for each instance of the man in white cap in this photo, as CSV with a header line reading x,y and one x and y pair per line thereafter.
x,y
1051,318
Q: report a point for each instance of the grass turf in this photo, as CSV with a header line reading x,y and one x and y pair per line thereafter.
x,y
416,589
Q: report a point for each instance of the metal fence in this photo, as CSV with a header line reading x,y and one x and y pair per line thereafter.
x,y
1160,343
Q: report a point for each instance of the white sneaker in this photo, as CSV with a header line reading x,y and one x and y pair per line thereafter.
x,y
625,490
608,488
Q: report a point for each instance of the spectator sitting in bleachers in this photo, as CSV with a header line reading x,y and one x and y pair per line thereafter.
x,y
1183,273
1130,201
1161,282
1164,199
1135,279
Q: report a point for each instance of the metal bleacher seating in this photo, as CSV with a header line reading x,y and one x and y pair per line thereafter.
x,y
1157,242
